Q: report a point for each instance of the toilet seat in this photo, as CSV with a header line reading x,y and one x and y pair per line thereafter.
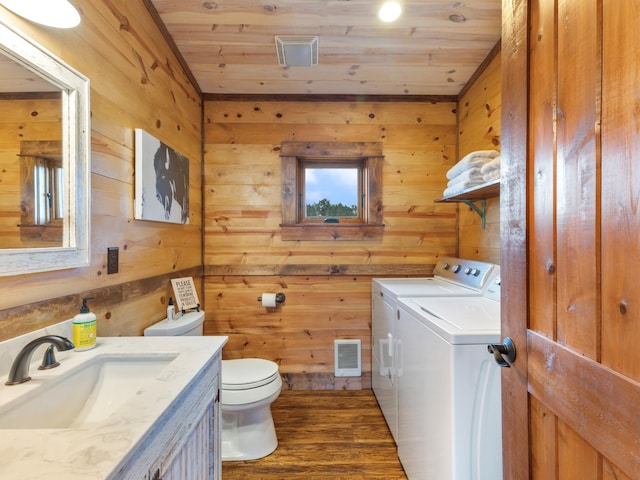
x,y
247,373
246,381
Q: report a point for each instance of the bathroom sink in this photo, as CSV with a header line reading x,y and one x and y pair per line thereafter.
x,y
113,412
83,396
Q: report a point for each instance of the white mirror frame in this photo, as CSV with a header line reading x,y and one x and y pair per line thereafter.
x,y
76,139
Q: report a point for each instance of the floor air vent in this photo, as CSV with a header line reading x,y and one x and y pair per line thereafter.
x,y
348,359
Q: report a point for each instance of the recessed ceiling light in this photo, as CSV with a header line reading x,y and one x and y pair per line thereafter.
x,y
51,13
389,11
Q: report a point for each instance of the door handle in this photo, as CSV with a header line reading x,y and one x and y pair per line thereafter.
x,y
507,348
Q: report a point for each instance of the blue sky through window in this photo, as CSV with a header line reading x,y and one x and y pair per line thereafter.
x,y
338,185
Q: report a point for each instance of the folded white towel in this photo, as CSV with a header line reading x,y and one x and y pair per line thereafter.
x,y
473,159
491,165
467,176
462,186
491,176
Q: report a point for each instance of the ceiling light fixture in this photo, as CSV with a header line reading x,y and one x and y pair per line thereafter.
x,y
297,51
389,11
51,13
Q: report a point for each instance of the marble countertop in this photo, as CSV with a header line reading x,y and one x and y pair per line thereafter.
x,y
93,451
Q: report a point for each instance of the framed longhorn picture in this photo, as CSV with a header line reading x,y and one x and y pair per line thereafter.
x,y
162,181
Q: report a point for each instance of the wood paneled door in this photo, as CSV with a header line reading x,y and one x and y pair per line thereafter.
x,y
570,243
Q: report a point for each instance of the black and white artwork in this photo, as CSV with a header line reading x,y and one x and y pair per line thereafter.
x,y
162,181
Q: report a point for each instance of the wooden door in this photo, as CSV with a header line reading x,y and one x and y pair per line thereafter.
x,y
570,229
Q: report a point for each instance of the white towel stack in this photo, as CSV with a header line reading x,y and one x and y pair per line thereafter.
x,y
491,170
474,169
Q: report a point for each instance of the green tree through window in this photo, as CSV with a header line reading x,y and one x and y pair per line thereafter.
x,y
324,208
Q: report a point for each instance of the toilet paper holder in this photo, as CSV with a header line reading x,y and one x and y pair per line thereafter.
x,y
280,298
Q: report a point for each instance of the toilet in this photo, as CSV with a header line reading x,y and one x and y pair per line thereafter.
x,y
249,387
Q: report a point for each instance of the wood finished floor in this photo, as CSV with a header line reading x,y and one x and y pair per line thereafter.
x,y
325,435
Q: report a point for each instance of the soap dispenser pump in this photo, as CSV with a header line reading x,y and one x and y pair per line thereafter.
x,y
170,310
84,328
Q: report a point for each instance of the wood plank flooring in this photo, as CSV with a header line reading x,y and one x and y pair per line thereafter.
x,y
325,435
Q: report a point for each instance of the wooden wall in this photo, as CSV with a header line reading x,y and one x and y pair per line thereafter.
x,y
479,110
327,284
31,119
136,81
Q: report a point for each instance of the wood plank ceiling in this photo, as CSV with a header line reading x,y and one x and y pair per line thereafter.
x,y
432,49
15,78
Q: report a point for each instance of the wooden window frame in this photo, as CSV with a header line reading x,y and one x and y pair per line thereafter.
x,y
369,224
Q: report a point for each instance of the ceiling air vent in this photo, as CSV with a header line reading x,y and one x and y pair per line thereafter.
x,y
297,51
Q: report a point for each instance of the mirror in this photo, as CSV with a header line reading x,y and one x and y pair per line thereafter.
x,y
44,159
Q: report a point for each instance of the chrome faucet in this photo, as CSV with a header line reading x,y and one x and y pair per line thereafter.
x,y
20,369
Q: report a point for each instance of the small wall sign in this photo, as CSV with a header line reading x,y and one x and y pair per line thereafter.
x,y
185,293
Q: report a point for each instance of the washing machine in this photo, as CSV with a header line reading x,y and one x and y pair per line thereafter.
x,y
452,277
449,410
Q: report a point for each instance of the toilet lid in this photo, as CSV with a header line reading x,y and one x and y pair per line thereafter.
x,y
245,373
177,327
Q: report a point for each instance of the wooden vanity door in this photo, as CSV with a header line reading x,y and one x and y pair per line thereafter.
x,y
570,254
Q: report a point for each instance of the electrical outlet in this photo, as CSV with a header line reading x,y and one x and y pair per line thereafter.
x,y
112,260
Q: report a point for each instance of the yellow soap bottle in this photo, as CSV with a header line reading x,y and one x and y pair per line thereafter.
x,y
84,328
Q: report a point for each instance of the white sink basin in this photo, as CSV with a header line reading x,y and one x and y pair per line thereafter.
x,y
86,395
106,411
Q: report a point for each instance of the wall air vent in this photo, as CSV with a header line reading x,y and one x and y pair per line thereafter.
x,y
297,51
348,358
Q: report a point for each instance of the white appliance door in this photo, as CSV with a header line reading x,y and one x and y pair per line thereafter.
x,y
424,287
469,320
425,408
384,358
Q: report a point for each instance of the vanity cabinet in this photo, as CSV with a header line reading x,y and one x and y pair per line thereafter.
x,y
184,443
199,457
162,422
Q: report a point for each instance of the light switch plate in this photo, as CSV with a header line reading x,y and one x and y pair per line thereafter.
x,y
112,260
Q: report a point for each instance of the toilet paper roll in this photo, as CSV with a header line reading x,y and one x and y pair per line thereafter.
x,y
268,299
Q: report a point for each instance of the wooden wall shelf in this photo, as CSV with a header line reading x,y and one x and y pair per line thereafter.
x,y
475,194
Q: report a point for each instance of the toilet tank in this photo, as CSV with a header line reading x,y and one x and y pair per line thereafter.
x,y
189,324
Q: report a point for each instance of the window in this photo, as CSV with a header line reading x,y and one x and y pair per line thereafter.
x,y
48,191
331,190
42,193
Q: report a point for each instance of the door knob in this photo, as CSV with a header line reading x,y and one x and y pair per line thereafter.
x,y
507,348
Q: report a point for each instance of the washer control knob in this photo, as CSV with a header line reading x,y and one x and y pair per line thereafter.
x,y
467,270
446,266
456,268
475,272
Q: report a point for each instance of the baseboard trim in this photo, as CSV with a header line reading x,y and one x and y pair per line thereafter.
x,y
324,381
